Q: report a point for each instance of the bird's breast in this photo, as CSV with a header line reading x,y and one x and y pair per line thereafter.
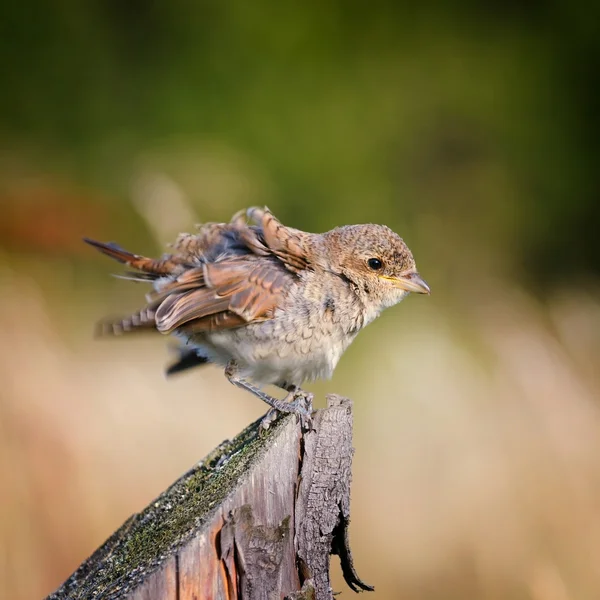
x,y
298,344
303,341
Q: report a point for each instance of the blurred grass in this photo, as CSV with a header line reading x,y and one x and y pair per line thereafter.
x,y
471,129
476,472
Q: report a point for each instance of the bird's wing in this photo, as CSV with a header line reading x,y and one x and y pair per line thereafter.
x,y
226,275
232,292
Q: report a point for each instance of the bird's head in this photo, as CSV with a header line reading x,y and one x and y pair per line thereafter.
x,y
376,261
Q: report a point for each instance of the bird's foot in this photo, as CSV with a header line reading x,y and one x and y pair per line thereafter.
x,y
297,402
300,403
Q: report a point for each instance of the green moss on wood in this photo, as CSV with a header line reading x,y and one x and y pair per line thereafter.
x,y
149,537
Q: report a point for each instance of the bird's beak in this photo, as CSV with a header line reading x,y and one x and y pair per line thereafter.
x,y
411,282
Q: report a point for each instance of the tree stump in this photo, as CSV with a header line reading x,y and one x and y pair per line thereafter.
x,y
258,518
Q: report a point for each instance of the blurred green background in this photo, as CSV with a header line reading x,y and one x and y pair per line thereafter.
x,y
471,129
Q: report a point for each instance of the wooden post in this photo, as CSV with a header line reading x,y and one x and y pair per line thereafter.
x,y
258,518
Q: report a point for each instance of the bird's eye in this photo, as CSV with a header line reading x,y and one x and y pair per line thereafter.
x,y
375,264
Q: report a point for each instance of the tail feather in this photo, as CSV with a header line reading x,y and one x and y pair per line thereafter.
x,y
135,276
142,320
156,268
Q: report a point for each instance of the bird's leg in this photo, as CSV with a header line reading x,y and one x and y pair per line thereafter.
x,y
297,401
281,405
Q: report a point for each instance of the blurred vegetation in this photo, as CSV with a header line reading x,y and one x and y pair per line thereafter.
x,y
476,121
471,128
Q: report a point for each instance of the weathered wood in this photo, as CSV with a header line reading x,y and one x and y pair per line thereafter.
x,y
323,504
257,519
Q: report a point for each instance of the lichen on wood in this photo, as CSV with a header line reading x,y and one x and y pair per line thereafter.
x,y
147,537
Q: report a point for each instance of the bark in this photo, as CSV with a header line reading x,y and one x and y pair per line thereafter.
x,y
258,518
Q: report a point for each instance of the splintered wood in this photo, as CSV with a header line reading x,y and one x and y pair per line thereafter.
x,y
257,519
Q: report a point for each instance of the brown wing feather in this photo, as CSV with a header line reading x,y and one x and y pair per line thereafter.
x,y
288,244
253,286
261,296
233,292
216,322
188,280
179,309
225,276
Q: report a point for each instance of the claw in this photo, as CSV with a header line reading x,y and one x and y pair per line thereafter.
x,y
269,419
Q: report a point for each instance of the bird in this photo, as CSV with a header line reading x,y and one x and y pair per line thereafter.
x,y
269,303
